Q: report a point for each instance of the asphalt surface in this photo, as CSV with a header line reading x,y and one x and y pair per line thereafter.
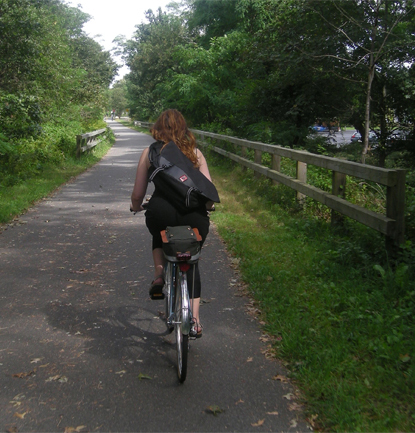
x,y
82,346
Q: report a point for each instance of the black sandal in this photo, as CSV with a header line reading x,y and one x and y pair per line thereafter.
x,y
156,289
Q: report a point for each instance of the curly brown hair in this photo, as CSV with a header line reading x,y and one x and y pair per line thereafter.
x,y
171,126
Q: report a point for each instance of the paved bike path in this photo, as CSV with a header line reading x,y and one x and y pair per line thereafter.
x,y
83,348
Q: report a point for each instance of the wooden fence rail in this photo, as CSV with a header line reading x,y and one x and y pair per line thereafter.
x,y
391,224
85,142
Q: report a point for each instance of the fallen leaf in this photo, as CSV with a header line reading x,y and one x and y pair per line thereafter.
x,y
35,360
57,378
239,401
273,413
143,376
51,378
294,406
293,423
282,379
214,409
250,359
288,396
79,429
121,372
259,423
81,271
22,375
312,420
19,397
20,415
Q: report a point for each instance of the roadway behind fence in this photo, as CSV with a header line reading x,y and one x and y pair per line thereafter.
x,y
391,225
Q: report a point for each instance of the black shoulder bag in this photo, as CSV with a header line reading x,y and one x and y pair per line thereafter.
x,y
174,175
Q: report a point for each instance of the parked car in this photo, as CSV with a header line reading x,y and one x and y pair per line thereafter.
x,y
398,136
320,128
356,137
373,138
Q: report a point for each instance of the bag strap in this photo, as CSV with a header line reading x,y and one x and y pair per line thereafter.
x,y
198,236
164,237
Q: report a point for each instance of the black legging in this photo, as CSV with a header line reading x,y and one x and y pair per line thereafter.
x,y
160,214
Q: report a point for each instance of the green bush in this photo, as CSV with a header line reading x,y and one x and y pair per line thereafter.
x,y
20,116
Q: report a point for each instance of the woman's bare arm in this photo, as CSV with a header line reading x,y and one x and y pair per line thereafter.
x,y
203,167
140,184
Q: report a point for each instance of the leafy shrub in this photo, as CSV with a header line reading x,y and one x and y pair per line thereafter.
x,y
20,116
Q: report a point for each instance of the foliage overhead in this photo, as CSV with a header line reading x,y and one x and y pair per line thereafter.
x,y
268,70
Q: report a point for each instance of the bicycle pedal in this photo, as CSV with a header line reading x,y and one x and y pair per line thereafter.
x,y
157,297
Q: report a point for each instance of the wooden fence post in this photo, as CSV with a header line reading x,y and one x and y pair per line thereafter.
x,y
78,146
395,209
276,165
243,154
338,189
258,160
301,176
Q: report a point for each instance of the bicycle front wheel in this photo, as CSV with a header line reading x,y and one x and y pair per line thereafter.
x,y
182,340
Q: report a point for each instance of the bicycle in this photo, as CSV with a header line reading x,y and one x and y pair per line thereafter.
x,y
181,248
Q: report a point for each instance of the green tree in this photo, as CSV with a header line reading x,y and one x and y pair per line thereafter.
x,y
211,19
117,98
53,82
356,42
149,55
44,52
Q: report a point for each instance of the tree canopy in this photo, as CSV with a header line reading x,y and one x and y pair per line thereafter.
x,y
267,69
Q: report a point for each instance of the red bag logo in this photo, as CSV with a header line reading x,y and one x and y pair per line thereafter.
x,y
183,178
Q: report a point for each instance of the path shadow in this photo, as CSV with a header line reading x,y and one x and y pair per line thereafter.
x,y
126,332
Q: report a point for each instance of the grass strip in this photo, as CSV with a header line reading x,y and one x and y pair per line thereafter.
x,y
341,315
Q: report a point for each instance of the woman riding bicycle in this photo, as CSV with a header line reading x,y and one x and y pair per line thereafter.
x,y
161,211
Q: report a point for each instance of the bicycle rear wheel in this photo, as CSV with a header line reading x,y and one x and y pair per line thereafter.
x,y
169,288
182,340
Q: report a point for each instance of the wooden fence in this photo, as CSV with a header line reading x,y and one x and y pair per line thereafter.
x,y
391,225
85,142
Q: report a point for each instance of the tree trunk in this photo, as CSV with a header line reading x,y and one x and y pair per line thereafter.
x,y
367,110
369,87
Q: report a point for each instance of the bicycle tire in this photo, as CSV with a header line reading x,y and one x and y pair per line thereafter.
x,y
182,340
169,295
